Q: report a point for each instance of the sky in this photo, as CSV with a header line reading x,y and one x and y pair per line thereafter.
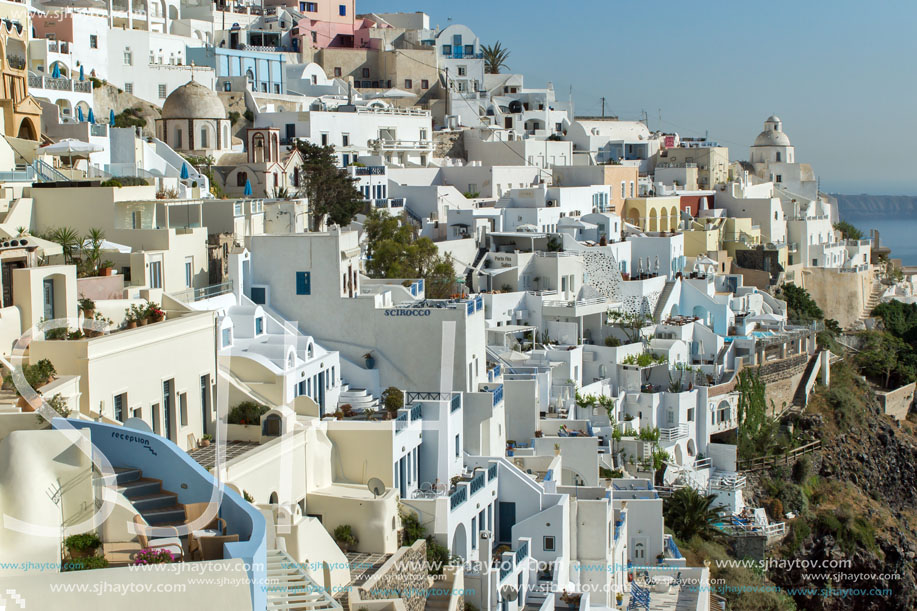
x,y
839,74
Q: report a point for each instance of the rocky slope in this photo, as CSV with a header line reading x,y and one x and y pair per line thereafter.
x,y
857,501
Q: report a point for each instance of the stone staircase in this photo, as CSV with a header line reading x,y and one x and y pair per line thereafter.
x,y
659,312
157,506
289,588
871,302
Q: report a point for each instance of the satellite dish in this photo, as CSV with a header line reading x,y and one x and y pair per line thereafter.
x,y
509,593
376,486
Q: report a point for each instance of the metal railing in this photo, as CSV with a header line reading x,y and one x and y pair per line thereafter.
x,y
456,402
672,548
27,174
197,294
477,482
497,394
416,412
458,497
491,472
673,433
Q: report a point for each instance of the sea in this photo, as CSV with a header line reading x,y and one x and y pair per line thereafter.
x,y
899,234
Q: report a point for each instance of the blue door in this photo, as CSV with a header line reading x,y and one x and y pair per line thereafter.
x,y
507,521
320,395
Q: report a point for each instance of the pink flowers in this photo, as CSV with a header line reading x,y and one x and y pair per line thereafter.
x,y
153,556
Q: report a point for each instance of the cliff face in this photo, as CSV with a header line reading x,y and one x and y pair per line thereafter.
x,y
856,502
852,206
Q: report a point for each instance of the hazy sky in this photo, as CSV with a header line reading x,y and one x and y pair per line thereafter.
x,y
840,74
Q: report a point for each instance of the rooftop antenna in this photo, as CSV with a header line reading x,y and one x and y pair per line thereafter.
x,y
376,486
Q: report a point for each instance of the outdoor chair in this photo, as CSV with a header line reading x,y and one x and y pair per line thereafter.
x,y
193,512
211,548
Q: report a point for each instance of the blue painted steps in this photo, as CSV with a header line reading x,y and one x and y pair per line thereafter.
x,y
157,506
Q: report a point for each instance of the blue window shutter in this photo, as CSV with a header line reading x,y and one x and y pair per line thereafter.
x,y
303,283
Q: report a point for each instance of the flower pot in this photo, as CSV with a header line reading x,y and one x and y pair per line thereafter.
x,y
107,271
370,362
132,324
89,314
204,443
82,553
142,322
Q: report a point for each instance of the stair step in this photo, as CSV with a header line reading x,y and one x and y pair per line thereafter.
x,y
162,515
124,475
141,487
154,501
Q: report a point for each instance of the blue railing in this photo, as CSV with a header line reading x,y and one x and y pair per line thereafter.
x,y
420,283
470,307
522,553
491,472
458,497
493,374
639,597
619,525
478,303
27,174
456,401
416,411
673,549
589,428
401,422
497,393
477,482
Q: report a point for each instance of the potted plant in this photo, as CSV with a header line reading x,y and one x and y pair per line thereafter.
x,y
344,537
36,376
660,558
106,268
82,546
132,317
87,306
153,312
369,360
205,440
619,598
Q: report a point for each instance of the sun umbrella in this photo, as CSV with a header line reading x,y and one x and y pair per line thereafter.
x,y
71,149
82,78
111,117
248,187
79,113
56,72
184,171
393,94
92,117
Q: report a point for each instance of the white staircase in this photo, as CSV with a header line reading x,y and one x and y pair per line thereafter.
x,y
358,398
289,588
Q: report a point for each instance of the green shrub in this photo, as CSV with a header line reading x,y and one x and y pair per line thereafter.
x,y
85,564
247,412
612,342
36,375
801,470
344,534
411,528
111,182
249,115
83,542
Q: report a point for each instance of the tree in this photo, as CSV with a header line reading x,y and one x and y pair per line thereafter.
x,y
392,399
757,433
331,191
848,231
68,239
800,305
884,356
495,57
394,251
689,513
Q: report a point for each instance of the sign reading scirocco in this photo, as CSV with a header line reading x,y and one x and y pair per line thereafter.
x,y
407,312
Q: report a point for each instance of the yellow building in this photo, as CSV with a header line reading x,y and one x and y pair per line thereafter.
x,y
653,213
21,113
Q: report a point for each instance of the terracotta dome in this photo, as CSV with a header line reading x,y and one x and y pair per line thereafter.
x,y
193,101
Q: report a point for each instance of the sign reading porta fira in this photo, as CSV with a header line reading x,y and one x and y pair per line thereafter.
x,y
407,312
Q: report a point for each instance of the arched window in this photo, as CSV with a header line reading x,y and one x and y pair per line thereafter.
x,y
178,137
204,144
241,177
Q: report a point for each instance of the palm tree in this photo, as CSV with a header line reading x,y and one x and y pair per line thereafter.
x,y
68,239
688,513
495,57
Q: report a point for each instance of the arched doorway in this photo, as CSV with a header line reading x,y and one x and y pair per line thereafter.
x,y
653,225
27,131
460,542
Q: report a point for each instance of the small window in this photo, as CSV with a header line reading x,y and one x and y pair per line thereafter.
x,y
462,71
408,83
93,41
447,50
365,72
226,337
162,90
259,325
259,295
342,10
424,84
325,139
241,178
303,283
779,157
458,446
119,402
129,88
779,178
338,72
183,408
311,7
345,139
128,60
549,543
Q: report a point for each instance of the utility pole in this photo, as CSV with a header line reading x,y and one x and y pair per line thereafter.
x,y
603,107
448,96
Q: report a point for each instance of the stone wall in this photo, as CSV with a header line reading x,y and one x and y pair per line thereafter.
x,y
841,295
405,575
898,402
449,144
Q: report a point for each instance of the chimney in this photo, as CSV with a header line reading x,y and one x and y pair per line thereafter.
x,y
484,547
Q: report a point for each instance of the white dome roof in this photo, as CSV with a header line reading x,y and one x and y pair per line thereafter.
x,y
193,101
773,119
772,137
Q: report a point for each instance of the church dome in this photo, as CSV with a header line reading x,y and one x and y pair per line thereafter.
x,y
193,101
772,137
